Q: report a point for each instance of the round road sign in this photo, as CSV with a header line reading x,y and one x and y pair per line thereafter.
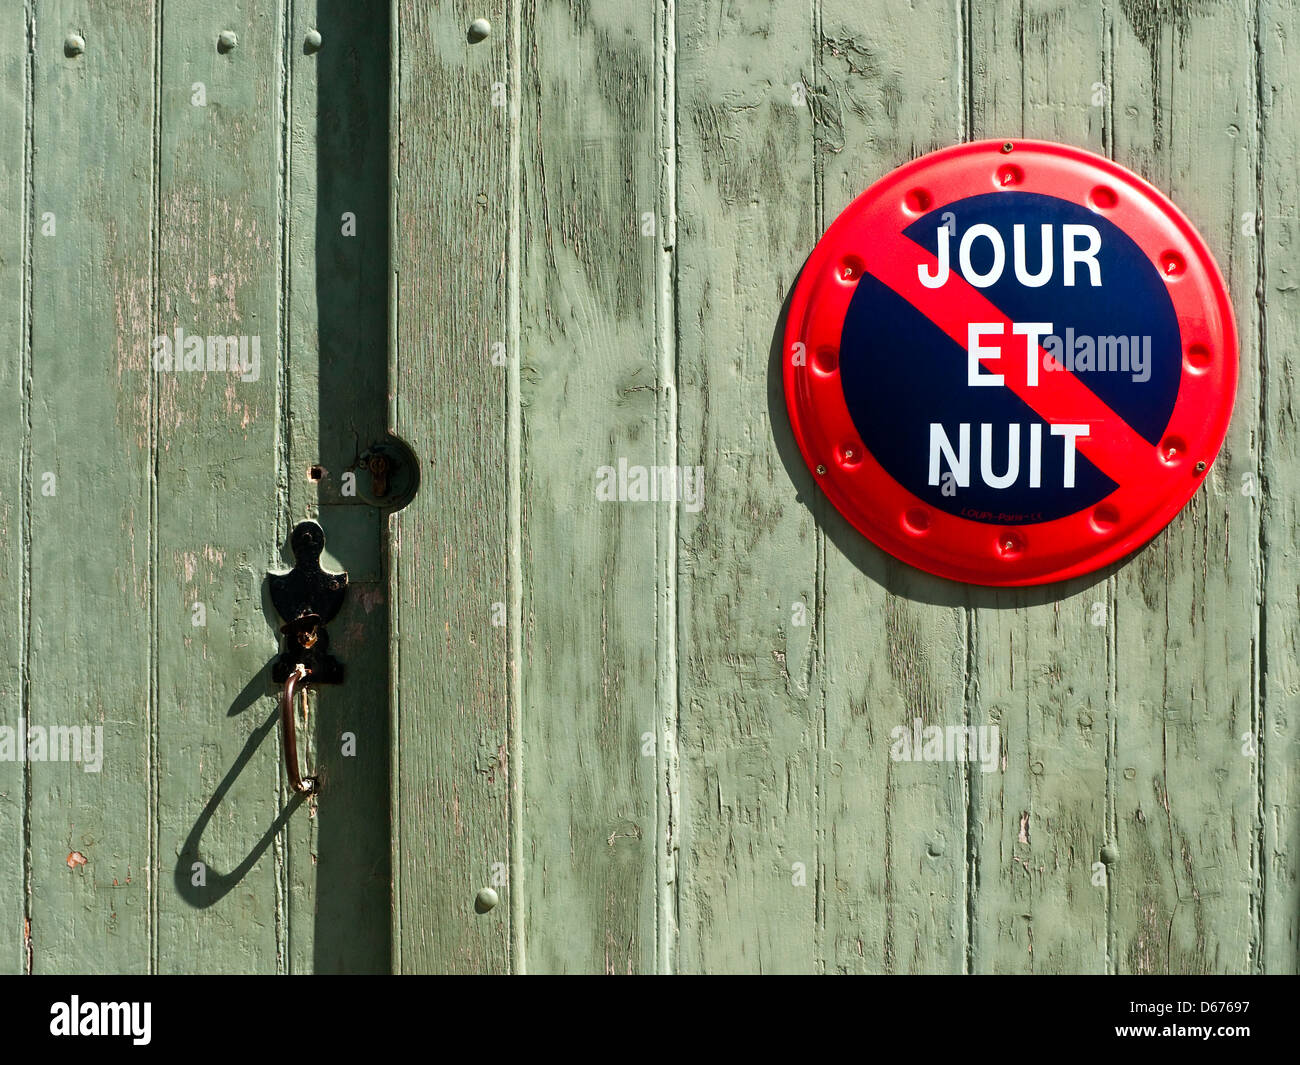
x,y
1010,363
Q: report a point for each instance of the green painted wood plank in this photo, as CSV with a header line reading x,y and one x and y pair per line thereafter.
x,y
14,281
894,638
751,715
90,529
591,389
222,796
336,312
1187,799
454,778
1042,659
1278,727
1022,78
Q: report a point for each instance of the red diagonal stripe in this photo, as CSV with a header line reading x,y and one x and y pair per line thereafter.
x,y
1059,397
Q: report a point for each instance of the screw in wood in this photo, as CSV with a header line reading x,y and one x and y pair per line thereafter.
x,y
74,45
312,42
227,41
479,30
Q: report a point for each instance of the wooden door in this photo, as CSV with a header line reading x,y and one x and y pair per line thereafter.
x,y
195,169
675,753
583,731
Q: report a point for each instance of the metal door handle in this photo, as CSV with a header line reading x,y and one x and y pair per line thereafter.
x,y
307,597
294,682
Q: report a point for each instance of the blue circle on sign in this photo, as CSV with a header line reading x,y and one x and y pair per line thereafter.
x,y
902,373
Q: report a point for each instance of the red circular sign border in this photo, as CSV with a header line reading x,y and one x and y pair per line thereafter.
x,y
1038,553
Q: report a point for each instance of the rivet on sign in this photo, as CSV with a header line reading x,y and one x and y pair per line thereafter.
x,y
226,41
312,42
821,468
478,30
74,44
851,268
485,900
848,452
1008,146
1200,467
1010,544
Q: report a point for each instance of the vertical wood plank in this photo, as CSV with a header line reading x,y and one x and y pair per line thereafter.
x,y
453,782
894,638
750,705
1278,727
591,236
88,659
336,318
1187,798
14,291
220,775
1043,658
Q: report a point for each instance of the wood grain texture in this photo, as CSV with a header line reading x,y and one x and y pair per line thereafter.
x,y
453,780
592,235
1187,607
750,702
14,503
90,634
222,796
1278,310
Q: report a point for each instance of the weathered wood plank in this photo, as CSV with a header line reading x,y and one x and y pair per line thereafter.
x,y
222,796
1025,79
894,638
1042,658
751,715
592,236
1272,489
1187,798
336,316
453,784
14,501
88,659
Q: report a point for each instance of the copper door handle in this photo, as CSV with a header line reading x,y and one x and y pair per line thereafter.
x,y
294,683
